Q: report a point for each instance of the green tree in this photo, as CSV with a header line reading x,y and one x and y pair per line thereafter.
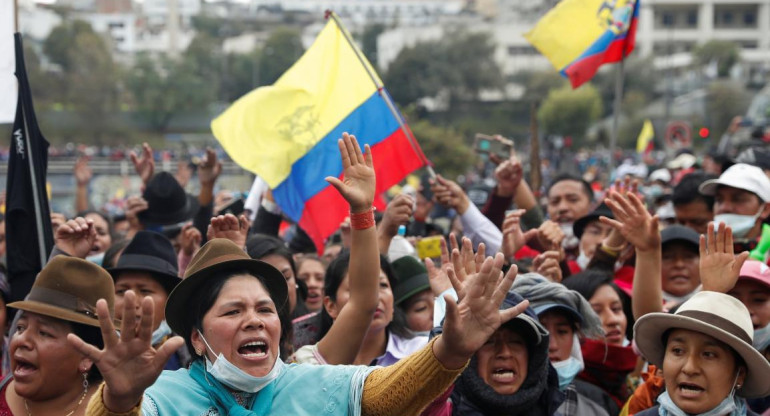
x,y
166,87
723,52
369,41
58,45
281,50
445,147
460,64
569,112
725,100
539,83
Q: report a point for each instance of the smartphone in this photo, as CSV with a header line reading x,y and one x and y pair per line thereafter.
x,y
235,207
429,247
498,145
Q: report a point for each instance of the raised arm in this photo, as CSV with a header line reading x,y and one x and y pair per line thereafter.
x,y
640,229
343,341
83,175
398,212
719,266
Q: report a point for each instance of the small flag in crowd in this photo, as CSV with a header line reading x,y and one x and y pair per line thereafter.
x,y
28,218
287,132
644,142
578,36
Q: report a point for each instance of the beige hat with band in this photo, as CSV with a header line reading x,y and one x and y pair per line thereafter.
x,y
719,316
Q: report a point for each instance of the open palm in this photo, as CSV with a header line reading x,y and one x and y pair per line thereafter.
x,y
359,181
719,266
633,221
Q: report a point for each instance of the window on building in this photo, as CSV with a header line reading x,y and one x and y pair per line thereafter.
x,y
727,18
750,19
667,19
692,18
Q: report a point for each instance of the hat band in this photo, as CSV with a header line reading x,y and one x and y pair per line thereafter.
x,y
719,322
63,300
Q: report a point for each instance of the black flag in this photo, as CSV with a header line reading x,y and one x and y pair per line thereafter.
x,y
28,219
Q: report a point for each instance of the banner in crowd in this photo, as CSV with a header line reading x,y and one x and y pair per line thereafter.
x,y
287,132
7,63
27,215
578,36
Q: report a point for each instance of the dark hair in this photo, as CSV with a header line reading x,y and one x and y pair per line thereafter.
x,y
336,273
91,335
111,255
262,245
686,191
570,177
110,227
207,293
589,281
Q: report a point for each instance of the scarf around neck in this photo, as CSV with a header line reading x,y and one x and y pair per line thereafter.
x,y
223,399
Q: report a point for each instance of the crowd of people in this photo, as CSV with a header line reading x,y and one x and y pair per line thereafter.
x,y
650,296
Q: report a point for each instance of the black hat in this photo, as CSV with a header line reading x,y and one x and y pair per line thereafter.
x,y
580,225
167,201
150,252
680,233
412,278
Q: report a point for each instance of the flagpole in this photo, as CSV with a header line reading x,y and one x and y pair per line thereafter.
x,y
15,15
381,91
619,75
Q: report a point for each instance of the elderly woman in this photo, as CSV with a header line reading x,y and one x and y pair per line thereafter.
x,y
705,351
229,310
49,375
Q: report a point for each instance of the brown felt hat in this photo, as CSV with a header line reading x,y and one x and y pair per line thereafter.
x,y
67,288
217,256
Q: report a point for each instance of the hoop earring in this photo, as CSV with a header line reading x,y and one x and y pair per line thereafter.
x,y
85,382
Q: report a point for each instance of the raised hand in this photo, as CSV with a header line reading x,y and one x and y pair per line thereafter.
x,y
513,237
128,363
183,173
719,266
470,323
398,212
135,205
438,276
550,235
450,194
57,219
190,239
76,237
633,221
547,264
144,164
209,168
235,229
359,183
509,174
82,171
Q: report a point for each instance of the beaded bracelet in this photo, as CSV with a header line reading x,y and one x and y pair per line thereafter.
x,y
362,220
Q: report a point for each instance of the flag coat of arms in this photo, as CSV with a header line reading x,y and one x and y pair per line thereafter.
x,y
287,132
578,36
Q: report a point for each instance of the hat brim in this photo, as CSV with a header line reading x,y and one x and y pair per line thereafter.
x,y
648,335
169,218
530,325
709,187
558,307
56,312
166,280
579,226
178,309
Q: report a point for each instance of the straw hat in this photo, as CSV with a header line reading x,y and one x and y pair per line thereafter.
x,y
217,256
67,288
719,316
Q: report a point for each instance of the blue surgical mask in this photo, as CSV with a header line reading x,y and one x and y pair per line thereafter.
x,y
162,332
728,406
741,224
567,371
762,338
96,258
233,377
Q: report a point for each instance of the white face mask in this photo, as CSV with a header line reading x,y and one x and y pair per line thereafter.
x,y
762,338
570,241
741,224
582,260
233,377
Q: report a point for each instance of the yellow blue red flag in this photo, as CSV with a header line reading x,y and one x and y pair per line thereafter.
x,y
644,140
287,132
578,36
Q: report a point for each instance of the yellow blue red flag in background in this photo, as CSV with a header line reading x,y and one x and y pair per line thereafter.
x,y
287,132
578,36
646,135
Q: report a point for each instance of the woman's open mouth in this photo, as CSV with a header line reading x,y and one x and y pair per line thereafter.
x,y
253,349
690,390
23,369
503,375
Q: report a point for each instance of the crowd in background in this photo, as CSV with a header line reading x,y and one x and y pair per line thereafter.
x,y
482,296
